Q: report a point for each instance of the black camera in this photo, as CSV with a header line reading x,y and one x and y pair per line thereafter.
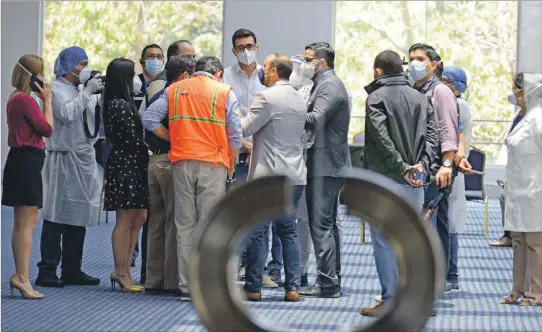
x,y
94,73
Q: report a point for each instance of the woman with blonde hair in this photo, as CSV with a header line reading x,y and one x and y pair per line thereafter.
x,y
22,182
523,191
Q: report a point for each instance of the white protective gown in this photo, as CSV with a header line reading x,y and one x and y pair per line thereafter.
x,y
457,211
71,180
523,190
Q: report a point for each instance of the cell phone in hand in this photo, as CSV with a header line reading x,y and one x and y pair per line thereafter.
x,y
476,172
417,175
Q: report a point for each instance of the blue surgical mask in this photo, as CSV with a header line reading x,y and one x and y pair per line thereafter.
x,y
153,67
417,70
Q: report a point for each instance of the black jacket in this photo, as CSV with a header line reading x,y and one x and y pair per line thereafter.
x,y
328,115
400,128
155,143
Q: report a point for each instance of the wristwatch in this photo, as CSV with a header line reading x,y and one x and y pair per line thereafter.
x,y
447,163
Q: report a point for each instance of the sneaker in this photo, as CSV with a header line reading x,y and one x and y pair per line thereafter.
x,y
378,299
268,283
451,287
185,296
275,275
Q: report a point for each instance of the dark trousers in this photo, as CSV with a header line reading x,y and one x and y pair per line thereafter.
x,y
257,249
144,233
322,194
71,252
442,222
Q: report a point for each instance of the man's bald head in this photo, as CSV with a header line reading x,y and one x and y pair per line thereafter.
x,y
282,64
181,48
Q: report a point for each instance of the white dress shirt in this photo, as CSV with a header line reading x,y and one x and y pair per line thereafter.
x,y
244,87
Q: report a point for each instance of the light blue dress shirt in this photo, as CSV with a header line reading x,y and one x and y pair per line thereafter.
x,y
158,111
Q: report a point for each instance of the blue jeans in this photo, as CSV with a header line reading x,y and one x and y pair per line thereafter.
x,y
440,220
452,268
276,250
241,173
257,253
386,263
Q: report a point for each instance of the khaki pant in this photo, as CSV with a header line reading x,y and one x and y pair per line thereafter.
x,y
527,256
198,186
161,236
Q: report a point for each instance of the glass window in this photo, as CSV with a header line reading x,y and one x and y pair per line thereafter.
x,y
479,36
112,29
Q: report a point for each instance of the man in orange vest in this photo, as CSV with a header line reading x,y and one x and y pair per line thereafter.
x,y
205,136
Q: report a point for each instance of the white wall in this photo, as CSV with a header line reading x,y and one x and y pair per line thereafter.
x,y
529,57
21,34
280,26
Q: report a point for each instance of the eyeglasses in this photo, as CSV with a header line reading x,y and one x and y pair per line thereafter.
x,y
249,47
309,59
154,56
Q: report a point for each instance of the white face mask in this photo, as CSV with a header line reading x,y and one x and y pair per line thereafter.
x,y
417,70
247,57
84,75
308,70
512,99
137,84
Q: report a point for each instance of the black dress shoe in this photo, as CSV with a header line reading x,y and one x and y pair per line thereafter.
x,y
79,278
304,280
315,291
49,280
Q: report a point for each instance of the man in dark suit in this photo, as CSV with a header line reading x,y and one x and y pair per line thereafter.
x,y
329,117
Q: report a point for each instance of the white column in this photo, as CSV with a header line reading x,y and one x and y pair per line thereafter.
x,y
282,26
22,23
529,54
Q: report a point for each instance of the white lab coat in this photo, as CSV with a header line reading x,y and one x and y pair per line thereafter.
x,y
523,209
457,210
71,180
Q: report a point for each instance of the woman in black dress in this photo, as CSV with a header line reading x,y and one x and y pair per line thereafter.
x,y
126,186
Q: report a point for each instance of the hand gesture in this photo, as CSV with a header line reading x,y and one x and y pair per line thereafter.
x,y
464,166
444,177
247,145
410,179
44,93
94,85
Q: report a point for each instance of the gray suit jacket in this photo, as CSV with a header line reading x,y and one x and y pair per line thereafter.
x,y
328,114
276,120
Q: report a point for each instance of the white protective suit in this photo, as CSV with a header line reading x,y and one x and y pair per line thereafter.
x,y
457,211
71,180
523,190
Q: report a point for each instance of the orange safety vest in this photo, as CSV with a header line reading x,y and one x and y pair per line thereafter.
x,y
197,121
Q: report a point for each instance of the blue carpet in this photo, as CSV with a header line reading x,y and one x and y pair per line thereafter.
x,y
485,276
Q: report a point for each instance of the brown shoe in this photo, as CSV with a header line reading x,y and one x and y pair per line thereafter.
x,y
504,241
372,312
253,297
291,296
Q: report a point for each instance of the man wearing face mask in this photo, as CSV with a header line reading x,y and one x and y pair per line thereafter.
x,y
304,87
152,61
329,117
425,68
245,81
180,47
70,173
205,135
276,119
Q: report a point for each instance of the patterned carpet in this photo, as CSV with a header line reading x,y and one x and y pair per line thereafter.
x,y
485,276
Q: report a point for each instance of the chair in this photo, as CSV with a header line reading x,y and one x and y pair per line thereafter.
x,y
474,184
359,141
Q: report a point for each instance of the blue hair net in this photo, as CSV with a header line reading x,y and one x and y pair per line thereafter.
x,y
68,59
457,76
